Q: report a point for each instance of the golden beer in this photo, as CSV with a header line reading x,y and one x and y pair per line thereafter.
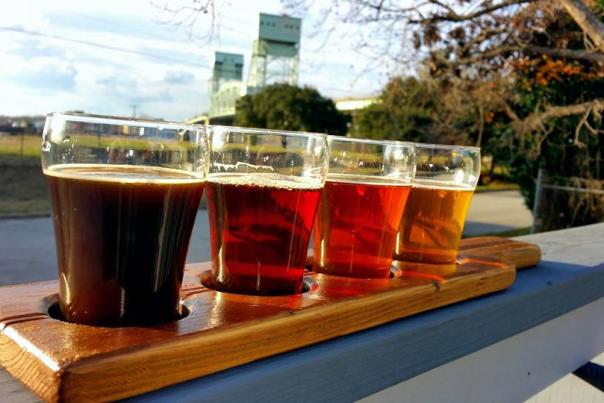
x,y
432,222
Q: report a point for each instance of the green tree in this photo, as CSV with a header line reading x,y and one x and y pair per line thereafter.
x,y
286,107
551,118
425,109
403,112
521,78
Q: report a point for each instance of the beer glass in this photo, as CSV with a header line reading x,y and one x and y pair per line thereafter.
x,y
124,197
433,221
361,206
262,193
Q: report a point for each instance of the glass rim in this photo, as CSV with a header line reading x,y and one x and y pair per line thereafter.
x,y
255,130
446,146
370,141
447,183
121,120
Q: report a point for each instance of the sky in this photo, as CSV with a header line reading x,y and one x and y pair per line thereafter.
x,y
110,56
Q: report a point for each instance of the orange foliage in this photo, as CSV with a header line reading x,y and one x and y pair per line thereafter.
x,y
543,70
488,117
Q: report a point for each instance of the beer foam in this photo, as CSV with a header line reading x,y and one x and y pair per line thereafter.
x,y
269,180
368,180
123,173
440,185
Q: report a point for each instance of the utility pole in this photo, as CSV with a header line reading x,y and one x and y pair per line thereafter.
x,y
134,106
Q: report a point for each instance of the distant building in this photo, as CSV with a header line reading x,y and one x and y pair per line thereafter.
x,y
276,52
226,84
22,124
275,59
202,119
352,104
38,123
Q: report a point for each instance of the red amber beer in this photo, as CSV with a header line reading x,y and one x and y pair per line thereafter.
x,y
260,230
122,230
262,192
356,226
361,206
433,221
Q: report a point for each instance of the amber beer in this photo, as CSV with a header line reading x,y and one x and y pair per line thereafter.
x,y
122,234
260,228
433,222
357,224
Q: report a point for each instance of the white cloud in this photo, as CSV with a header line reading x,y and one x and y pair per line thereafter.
x,y
103,57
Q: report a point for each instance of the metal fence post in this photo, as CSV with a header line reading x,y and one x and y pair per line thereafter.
x,y
537,200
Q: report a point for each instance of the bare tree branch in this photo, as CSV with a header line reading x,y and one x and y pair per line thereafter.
x,y
595,57
381,8
511,113
452,16
483,36
577,141
488,54
535,50
588,22
187,14
536,120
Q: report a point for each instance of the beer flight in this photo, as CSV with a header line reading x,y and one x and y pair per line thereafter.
x,y
125,194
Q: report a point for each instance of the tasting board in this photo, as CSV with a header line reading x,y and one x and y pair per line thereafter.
x,y
67,362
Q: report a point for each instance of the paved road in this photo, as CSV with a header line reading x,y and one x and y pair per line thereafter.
x,y
27,250
494,212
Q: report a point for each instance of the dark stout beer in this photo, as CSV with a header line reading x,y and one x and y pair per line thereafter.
x,y
433,222
122,234
260,229
356,226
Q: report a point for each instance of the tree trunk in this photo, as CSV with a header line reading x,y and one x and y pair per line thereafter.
x,y
586,19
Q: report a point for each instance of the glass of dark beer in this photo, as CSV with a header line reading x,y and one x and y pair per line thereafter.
x,y
361,206
434,218
262,192
124,196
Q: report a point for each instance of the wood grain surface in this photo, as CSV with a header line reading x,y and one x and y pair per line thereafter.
x,y
522,254
63,361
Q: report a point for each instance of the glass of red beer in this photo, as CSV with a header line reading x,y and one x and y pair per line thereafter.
x,y
124,196
361,206
262,193
434,218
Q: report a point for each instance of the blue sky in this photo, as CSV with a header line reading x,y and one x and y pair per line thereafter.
x,y
104,56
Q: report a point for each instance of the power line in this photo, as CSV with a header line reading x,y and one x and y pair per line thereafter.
x,y
99,45
129,51
106,22
222,25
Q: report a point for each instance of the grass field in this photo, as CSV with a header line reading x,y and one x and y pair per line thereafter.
x,y
27,146
22,185
23,188
497,186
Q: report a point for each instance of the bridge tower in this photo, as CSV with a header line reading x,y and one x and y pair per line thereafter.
x,y
226,83
276,52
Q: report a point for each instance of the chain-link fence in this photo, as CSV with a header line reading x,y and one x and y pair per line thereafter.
x,y
562,202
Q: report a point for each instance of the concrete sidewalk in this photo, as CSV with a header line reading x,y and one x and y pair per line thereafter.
x,y
27,248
